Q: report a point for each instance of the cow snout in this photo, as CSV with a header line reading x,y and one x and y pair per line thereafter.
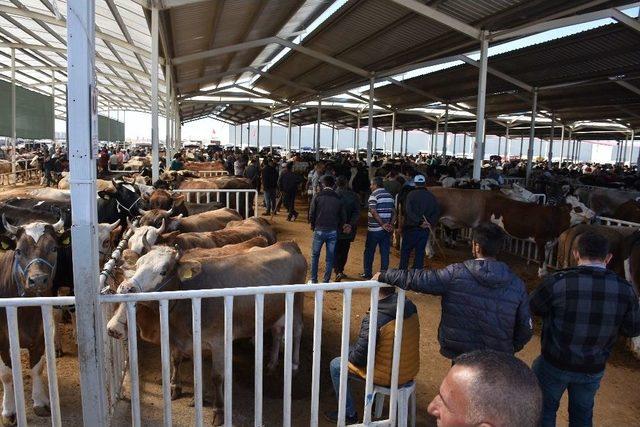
x,y
126,287
38,282
116,329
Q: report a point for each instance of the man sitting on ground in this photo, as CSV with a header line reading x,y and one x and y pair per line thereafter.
x,y
484,304
385,325
488,389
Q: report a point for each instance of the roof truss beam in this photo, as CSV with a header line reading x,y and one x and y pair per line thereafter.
x,y
442,18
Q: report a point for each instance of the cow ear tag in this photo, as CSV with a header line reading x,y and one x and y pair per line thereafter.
x,y
5,245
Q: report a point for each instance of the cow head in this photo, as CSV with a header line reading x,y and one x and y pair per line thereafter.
x,y
579,212
144,236
107,239
155,217
153,270
35,248
127,197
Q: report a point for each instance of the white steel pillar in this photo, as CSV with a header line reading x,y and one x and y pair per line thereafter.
x,y
270,133
375,138
521,144
370,122
561,144
358,134
401,142
241,135
53,102
499,144
13,111
464,145
446,131
318,129
258,138
155,149
299,139
83,144
553,130
482,91
333,138
167,89
289,133
453,151
393,133
506,144
532,133
249,134
434,146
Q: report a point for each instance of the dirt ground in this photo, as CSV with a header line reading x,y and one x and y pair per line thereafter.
x,y
617,403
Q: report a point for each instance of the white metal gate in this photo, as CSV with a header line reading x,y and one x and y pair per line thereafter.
x,y
210,174
196,296
242,199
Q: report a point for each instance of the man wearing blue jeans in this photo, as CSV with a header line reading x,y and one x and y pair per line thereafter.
x,y
583,310
326,215
380,218
421,211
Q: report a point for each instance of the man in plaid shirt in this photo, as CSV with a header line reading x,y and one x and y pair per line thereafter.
x,y
583,311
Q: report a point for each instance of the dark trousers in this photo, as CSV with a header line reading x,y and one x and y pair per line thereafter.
x,y
375,239
342,252
582,392
413,239
289,200
270,199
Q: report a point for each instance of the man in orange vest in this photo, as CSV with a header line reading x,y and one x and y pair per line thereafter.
x,y
385,325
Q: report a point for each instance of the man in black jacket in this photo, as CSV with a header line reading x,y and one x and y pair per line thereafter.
x,y
288,184
269,185
421,211
485,306
352,210
583,310
326,216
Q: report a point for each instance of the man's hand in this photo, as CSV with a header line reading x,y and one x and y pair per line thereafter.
x,y
425,225
376,276
346,229
387,227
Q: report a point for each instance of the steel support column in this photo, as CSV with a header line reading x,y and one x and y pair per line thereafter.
x,y
289,133
83,141
241,136
464,145
532,133
53,102
506,144
446,131
434,146
271,133
521,144
553,130
370,123
453,151
249,134
401,142
318,128
13,111
299,139
499,144
258,138
482,91
167,109
393,134
357,146
155,142
333,138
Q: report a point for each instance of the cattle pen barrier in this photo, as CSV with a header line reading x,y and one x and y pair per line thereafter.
x,y
210,174
258,293
209,195
24,175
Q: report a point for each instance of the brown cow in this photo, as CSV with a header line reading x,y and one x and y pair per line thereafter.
x,y
27,270
282,263
241,231
162,199
539,223
204,166
155,222
628,211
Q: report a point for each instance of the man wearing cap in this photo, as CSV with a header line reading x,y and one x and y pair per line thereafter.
x,y
421,211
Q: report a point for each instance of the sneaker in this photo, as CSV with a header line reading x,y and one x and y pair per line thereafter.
x,y
366,276
332,417
340,276
312,282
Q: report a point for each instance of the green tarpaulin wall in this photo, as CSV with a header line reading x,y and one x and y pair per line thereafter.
x,y
110,129
34,113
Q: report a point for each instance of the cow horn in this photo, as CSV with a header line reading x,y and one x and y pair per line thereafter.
x,y
114,225
58,226
12,229
170,211
162,227
178,253
145,242
142,211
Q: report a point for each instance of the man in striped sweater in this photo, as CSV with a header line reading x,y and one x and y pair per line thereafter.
x,y
380,220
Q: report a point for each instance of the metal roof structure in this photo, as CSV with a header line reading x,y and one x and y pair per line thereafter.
x,y
36,31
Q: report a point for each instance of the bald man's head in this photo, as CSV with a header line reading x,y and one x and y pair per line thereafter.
x,y
488,388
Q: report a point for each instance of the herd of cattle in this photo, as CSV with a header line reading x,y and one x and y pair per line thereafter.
x,y
177,245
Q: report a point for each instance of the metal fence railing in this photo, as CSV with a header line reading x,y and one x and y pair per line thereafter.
x,y
243,200
616,222
210,174
25,176
230,295
46,304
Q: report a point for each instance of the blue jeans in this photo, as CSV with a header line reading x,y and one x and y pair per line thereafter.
x,y
375,239
328,238
415,238
334,369
270,199
582,391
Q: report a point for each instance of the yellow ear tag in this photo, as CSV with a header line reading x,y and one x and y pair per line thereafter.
x,y
66,241
5,245
186,274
